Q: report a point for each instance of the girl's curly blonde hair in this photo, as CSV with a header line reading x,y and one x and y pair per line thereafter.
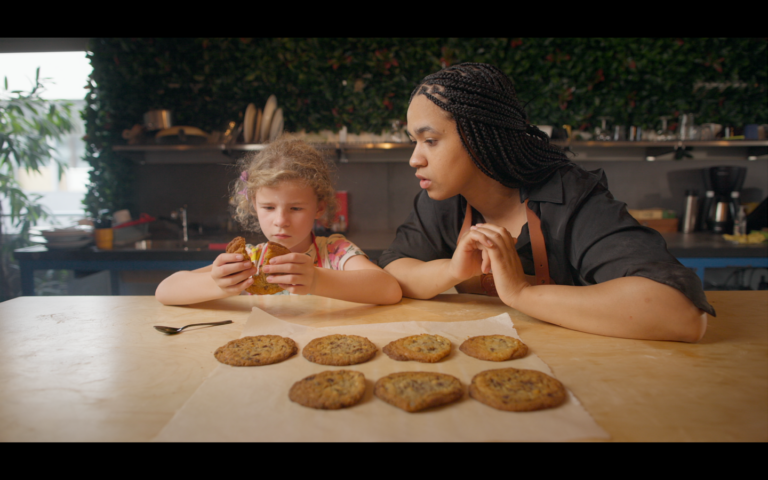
x,y
282,160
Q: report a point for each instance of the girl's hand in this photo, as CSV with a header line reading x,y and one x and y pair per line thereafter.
x,y
232,273
500,257
296,273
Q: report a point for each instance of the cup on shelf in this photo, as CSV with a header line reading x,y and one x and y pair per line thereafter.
x,y
665,134
686,126
104,238
750,131
619,133
602,133
729,132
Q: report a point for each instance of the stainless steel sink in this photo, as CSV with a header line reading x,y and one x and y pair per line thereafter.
x,y
172,245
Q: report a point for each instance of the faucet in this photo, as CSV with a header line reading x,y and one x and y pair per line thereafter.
x,y
182,212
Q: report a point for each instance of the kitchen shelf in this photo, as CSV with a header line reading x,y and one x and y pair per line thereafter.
x,y
400,152
253,147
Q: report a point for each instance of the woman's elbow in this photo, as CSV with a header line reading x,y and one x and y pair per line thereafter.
x,y
394,294
695,326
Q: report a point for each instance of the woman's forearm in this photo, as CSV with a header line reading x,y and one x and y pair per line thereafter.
x,y
628,307
422,280
362,286
186,288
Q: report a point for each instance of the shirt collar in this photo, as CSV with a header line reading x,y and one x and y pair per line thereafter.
x,y
551,191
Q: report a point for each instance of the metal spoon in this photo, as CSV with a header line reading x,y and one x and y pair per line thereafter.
x,y
173,330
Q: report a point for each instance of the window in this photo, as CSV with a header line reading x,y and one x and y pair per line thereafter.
x,y
67,74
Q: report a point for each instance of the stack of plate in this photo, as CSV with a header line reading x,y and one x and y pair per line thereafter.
x,y
70,237
263,126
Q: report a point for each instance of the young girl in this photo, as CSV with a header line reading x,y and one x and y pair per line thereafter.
x,y
282,191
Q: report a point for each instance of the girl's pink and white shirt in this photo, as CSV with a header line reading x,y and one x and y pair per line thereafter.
x,y
334,251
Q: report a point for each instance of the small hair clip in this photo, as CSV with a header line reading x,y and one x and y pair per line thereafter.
x,y
244,177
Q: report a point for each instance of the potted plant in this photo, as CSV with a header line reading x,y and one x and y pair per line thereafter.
x,y
28,124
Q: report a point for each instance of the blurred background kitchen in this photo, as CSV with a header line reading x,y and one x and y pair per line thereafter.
x,y
156,126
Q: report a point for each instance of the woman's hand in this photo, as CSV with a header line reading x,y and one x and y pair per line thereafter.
x,y
294,272
500,257
467,258
232,273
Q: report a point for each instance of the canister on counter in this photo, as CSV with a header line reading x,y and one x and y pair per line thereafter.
x,y
691,211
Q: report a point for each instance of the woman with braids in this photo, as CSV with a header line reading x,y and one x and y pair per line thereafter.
x,y
502,211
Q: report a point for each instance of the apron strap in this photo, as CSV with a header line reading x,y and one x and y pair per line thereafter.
x,y
539,248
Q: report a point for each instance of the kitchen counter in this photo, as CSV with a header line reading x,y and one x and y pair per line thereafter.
x,y
702,250
704,244
92,259
698,251
175,258
94,369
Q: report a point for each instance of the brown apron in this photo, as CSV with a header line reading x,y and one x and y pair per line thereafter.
x,y
540,261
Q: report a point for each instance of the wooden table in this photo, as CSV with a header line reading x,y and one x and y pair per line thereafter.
x,y
94,369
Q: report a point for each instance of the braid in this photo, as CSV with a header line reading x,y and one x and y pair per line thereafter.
x,y
492,124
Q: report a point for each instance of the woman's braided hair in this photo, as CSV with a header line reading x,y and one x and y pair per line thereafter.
x,y
492,124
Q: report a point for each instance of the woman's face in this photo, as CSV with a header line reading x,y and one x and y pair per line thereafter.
x,y
442,165
287,213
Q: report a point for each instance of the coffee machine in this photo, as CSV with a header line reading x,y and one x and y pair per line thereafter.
x,y
721,204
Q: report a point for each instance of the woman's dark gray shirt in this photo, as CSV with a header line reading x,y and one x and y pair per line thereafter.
x,y
590,236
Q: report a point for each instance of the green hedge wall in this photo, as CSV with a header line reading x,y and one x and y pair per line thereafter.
x,y
325,83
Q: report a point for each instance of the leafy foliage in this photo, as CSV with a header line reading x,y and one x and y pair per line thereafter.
x,y
27,124
365,83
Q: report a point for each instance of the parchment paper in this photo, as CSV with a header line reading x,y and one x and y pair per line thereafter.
x,y
251,403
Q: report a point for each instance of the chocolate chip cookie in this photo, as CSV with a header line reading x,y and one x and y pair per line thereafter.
x,y
329,390
254,351
339,350
517,390
414,391
254,253
421,348
494,348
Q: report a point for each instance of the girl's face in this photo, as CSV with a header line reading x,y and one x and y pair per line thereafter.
x,y
287,213
442,165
